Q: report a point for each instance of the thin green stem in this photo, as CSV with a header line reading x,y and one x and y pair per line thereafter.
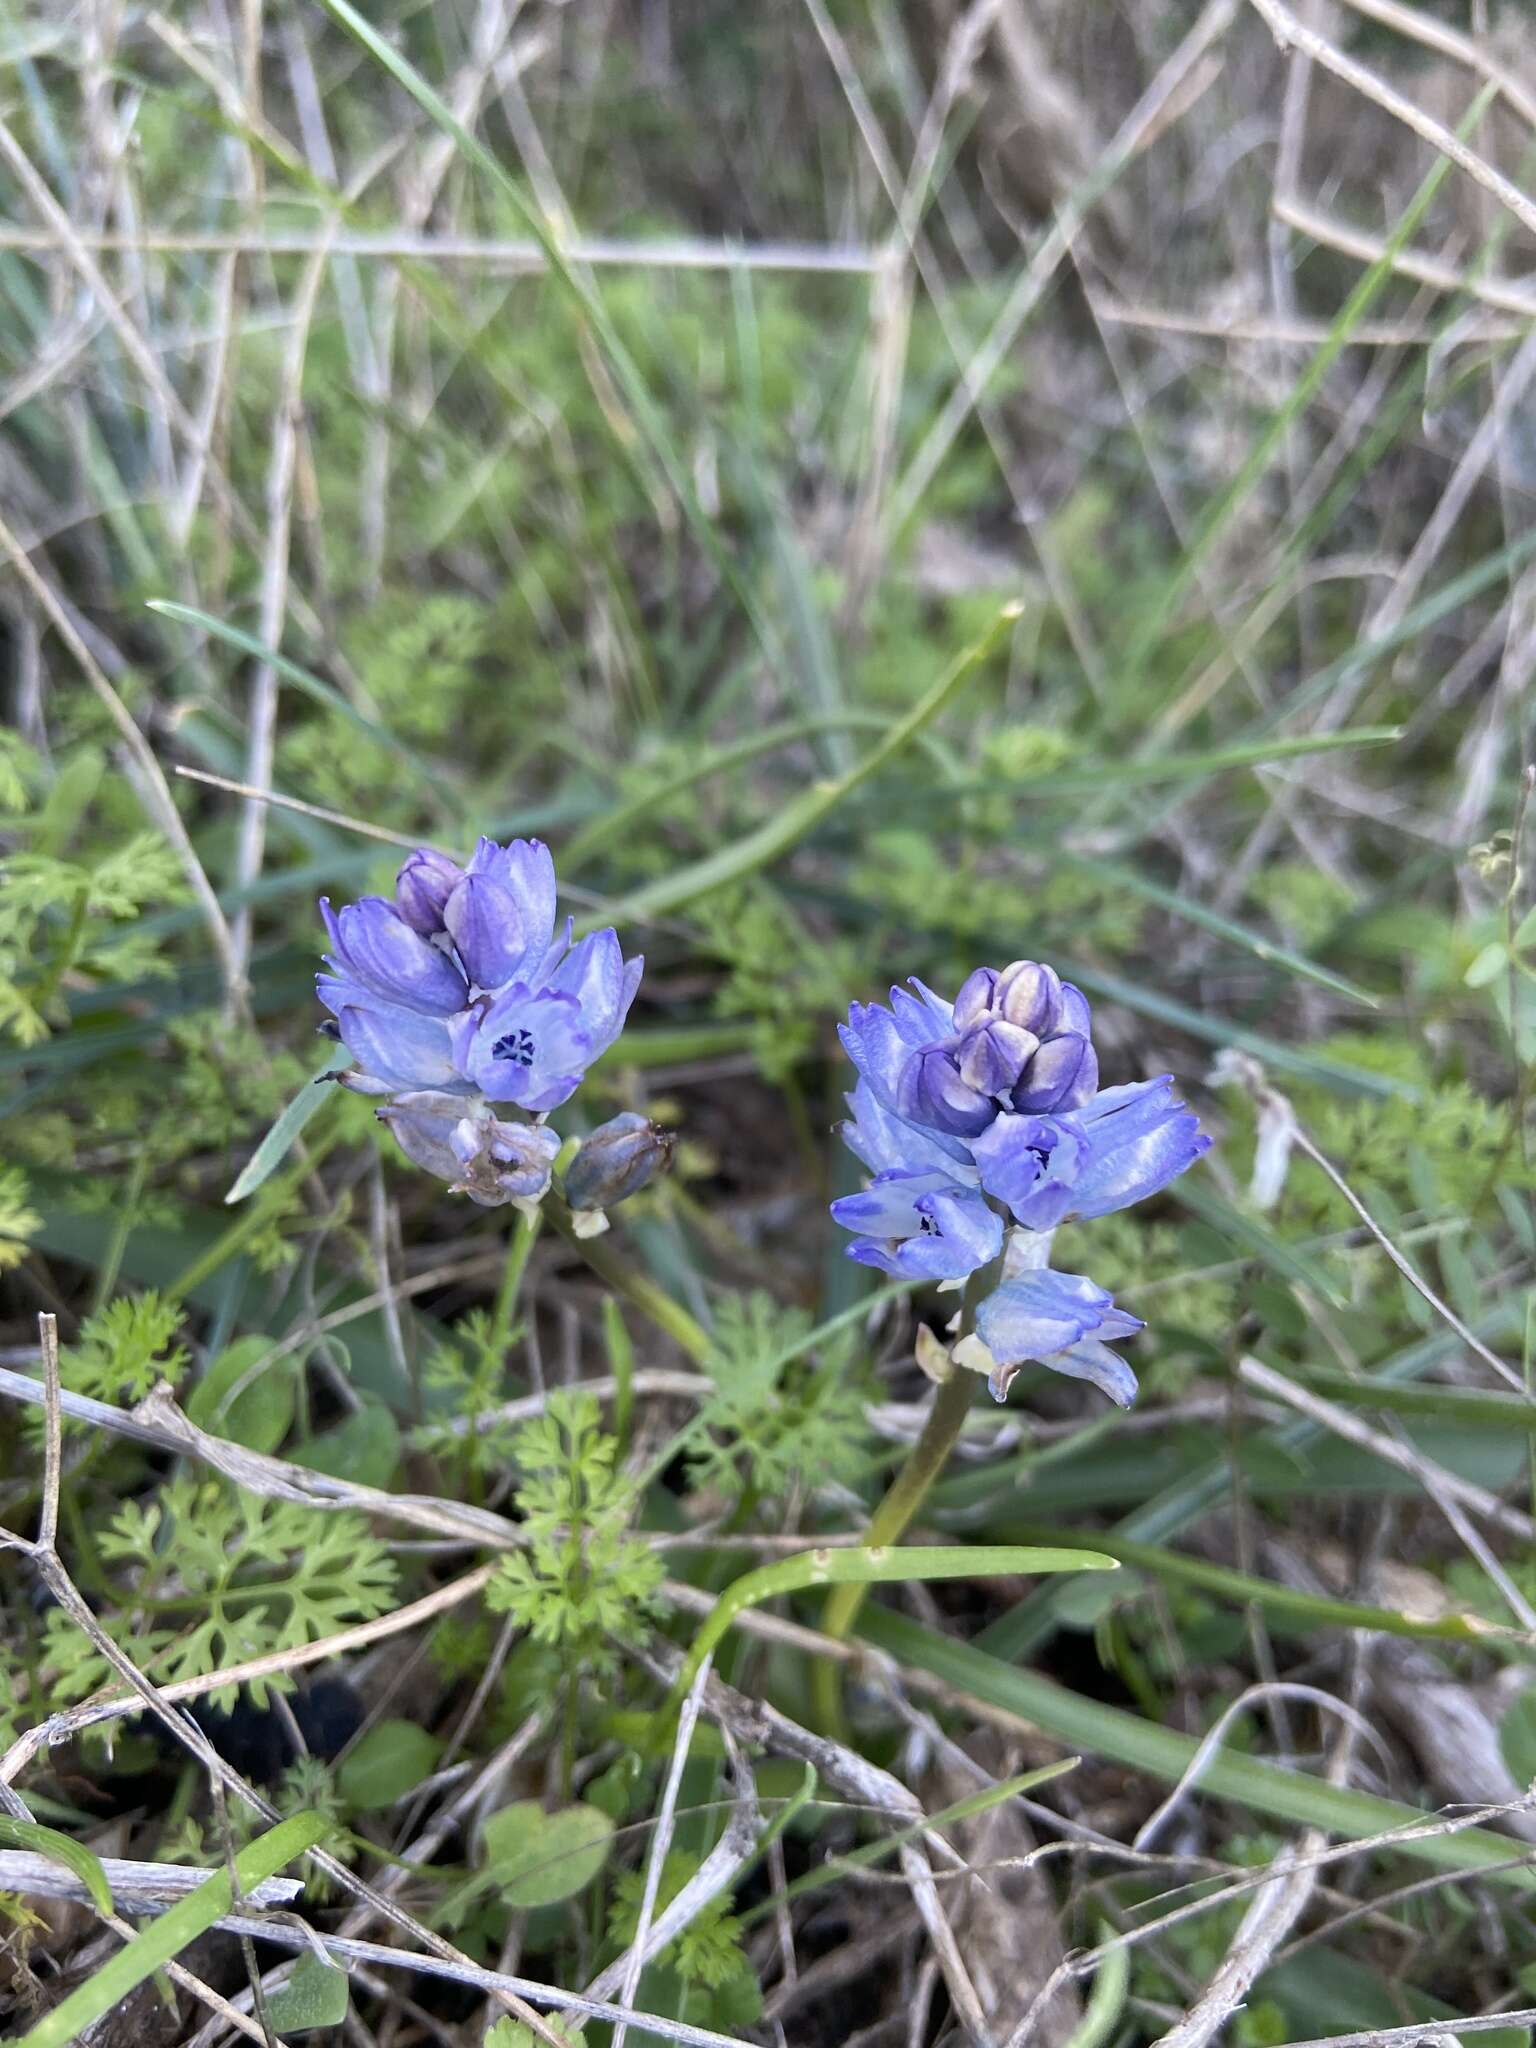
x,y
925,1461
907,1492
663,1311
525,1235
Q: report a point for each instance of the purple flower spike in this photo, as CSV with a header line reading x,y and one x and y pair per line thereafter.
x,y
984,1127
459,996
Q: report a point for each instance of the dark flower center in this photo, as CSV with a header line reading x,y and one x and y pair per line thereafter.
x,y
517,1046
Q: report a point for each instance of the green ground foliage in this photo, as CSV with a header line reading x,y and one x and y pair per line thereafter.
x,y
610,423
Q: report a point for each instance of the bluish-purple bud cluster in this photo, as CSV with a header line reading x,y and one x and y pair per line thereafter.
x,y
463,1005
984,1127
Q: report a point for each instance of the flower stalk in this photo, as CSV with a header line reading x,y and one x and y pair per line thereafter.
x,y
924,1462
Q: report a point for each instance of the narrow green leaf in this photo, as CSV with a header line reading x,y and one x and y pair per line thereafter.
x,y
1517,1737
775,836
1282,958
626,373
1244,1589
301,678
283,1136
1103,779
612,824
164,1939
58,1848
869,1853
1486,1407
1165,1754
882,1566
1218,516
1106,2001
1220,1030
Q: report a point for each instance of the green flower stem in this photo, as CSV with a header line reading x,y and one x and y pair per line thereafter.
x,y
662,1310
525,1235
925,1461
892,1518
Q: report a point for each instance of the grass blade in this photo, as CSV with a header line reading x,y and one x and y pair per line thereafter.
x,y
797,820
60,1848
176,1929
1163,1753
284,1135
882,1566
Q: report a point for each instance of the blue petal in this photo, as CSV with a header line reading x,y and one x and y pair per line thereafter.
x,y
1036,1314
922,1019
527,868
1032,1163
485,923
528,1048
876,1048
602,984
888,1207
883,1140
377,948
1091,1359
921,1226
398,1046
1141,1139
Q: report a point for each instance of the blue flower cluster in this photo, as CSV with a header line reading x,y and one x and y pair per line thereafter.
x,y
984,1126
461,1002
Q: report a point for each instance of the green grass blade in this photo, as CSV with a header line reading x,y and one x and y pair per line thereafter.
x,y
882,1566
1484,1407
1110,776
1165,1754
797,820
621,364
613,824
284,1134
1106,2001
302,679
176,1929
1264,450
1243,1589
60,1848
1193,912
870,1853
1222,1031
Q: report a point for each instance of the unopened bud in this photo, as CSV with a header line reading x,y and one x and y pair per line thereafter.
x,y
423,886
619,1158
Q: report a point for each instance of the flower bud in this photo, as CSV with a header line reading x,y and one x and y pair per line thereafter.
x,y
1029,995
932,1090
423,887
1062,1074
975,999
616,1161
423,1122
374,947
993,1056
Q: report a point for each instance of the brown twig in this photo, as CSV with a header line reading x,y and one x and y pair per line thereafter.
x,y
1291,33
